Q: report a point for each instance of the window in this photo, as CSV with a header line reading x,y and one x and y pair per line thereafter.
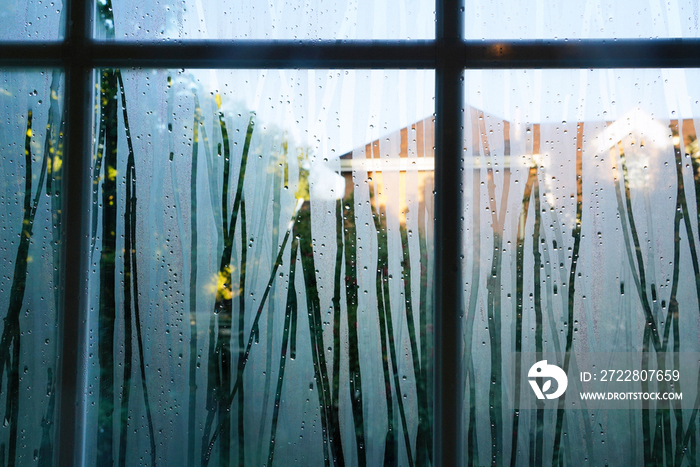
x,y
242,270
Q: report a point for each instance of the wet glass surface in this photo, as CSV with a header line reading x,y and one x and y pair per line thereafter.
x,y
31,162
27,20
582,234
229,19
261,255
561,20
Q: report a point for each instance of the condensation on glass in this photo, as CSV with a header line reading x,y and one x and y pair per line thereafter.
x,y
249,19
261,256
26,20
581,234
501,20
31,155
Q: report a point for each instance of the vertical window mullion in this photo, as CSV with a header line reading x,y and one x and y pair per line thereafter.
x,y
75,232
448,378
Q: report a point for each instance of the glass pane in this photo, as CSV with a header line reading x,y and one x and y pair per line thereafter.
x,y
581,267
31,153
261,254
249,19
487,19
31,20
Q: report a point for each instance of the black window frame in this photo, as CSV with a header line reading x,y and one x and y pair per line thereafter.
x,y
449,54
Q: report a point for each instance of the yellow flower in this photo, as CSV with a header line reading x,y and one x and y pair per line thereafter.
x,y
55,164
220,284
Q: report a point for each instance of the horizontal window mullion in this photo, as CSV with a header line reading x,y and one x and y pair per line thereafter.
x,y
661,53
31,54
258,54
584,53
223,54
